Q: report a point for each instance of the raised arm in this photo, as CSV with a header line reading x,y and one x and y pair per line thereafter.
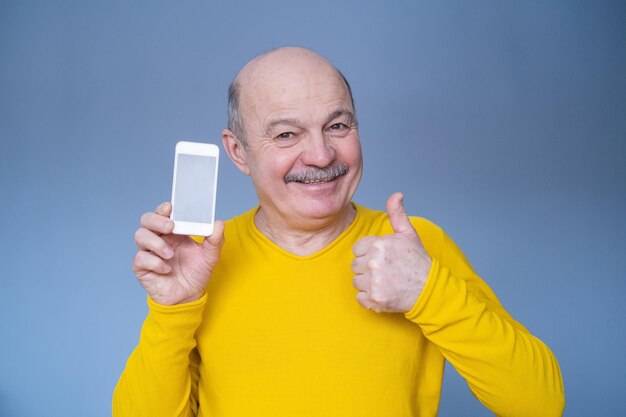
x,y
160,376
508,369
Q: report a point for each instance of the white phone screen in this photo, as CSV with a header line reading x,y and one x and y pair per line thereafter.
x,y
193,192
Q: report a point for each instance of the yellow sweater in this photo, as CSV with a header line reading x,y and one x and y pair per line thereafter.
x,y
282,335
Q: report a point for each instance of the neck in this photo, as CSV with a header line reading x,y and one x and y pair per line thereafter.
x,y
304,240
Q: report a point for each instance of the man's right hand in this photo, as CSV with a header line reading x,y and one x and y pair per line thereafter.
x,y
174,269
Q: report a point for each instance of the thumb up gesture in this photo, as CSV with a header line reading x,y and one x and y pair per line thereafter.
x,y
390,271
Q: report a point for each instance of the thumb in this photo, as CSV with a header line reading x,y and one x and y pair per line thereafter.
x,y
397,215
217,237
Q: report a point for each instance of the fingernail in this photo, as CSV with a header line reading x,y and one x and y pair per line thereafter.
x,y
163,207
168,252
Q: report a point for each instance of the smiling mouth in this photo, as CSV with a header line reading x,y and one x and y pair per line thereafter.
x,y
316,181
318,175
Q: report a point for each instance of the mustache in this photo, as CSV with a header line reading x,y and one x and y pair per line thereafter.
x,y
313,175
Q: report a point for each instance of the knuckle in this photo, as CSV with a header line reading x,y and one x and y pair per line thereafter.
x,y
163,247
378,297
372,264
379,244
159,265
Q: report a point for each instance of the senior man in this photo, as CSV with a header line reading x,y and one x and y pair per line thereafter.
x,y
310,304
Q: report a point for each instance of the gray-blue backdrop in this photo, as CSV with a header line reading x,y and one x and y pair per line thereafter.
x,y
502,121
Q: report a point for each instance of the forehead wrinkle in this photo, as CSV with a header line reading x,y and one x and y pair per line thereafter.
x,y
284,82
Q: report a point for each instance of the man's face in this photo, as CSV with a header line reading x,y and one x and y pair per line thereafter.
x,y
303,152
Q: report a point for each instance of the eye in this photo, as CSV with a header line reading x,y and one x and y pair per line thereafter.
x,y
286,139
339,129
338,126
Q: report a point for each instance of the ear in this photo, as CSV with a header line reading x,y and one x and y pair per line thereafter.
x,y
235,150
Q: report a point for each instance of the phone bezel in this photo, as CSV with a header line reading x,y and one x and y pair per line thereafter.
x,y
201,149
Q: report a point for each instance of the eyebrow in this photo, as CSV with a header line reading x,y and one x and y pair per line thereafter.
x,y
294,122
339,113
287,121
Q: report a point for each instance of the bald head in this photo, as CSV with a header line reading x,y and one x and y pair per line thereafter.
x,y
271,71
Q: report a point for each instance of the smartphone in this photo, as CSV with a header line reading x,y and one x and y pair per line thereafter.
x,y
194,188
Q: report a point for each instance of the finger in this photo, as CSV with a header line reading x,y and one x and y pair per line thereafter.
x,y
158,223
149,241
361,283
164,209
148,262
364,300
362,245
217,237
359,265
397,215
217,234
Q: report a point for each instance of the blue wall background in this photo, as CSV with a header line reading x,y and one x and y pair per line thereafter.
x,y
504,122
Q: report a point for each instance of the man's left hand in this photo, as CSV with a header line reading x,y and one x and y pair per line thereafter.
x,y
391,271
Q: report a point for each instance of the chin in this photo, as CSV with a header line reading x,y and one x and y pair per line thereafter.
x,y
321,208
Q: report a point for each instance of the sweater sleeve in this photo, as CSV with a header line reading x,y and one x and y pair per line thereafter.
x,y
160,377
508,369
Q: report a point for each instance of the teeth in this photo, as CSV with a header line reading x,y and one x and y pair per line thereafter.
x,y
314,181
317,175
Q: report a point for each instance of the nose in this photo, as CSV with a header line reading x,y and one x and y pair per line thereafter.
x,y
318,151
